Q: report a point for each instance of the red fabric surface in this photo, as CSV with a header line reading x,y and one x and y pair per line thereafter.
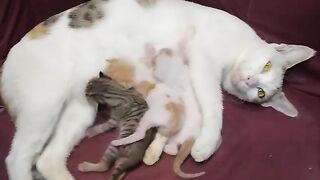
x,y
258,143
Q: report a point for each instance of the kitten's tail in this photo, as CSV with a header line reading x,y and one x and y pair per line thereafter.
x,y
181,156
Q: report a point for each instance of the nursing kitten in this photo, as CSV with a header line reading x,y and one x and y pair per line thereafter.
x,y
44,76
171,67
126,107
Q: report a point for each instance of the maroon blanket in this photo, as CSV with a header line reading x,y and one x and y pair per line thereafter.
x,y
258,143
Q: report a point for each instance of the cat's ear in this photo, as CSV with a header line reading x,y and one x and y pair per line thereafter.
x,y
295,53
280,103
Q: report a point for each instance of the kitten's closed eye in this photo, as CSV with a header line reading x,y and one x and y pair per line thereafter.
x,y
267,67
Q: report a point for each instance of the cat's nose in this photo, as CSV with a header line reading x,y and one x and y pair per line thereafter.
x,y
250,81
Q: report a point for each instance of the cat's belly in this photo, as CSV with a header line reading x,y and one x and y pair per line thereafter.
x,y
64,59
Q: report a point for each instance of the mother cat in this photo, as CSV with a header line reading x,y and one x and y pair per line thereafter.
x,y
45,74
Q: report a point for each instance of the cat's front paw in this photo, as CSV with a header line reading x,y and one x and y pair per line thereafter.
x,y
205,146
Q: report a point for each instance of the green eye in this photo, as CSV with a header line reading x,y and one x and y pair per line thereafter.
x,y
261,93
267,67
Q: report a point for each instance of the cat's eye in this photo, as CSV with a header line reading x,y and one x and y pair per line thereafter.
x,y
267,67
261,93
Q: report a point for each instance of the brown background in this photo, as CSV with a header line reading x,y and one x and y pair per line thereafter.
x,y
258,143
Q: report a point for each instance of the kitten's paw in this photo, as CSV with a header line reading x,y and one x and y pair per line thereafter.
x,y
93,167
82,167
152,154
171,149
205,146
93,131
150,158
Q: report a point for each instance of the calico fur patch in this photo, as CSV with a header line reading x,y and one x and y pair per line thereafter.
x,y
85,15
176,112
121,72
145,87
43,28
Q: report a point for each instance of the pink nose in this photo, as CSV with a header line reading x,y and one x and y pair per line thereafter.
x,y
250,81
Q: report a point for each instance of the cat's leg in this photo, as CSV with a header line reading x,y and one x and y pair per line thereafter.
x,y
153,153
34,125
139,134
101,128
171,148
104,164
205,76
78,115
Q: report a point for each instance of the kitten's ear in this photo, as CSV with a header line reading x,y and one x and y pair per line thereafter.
x,y
101,75
294,53
280,103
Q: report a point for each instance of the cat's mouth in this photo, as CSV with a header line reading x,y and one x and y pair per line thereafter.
x,y
238,83
242,86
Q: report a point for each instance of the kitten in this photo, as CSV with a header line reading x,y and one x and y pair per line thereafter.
x,y
171,68
126,107
54,67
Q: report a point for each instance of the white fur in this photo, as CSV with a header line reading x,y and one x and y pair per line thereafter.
x,y
43,79
173,70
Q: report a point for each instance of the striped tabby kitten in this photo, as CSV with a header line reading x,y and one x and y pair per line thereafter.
x,y
126,107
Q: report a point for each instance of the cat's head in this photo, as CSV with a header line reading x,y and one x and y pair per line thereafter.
x,y
257,75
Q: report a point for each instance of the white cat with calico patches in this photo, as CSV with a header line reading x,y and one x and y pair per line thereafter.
x,y
45,74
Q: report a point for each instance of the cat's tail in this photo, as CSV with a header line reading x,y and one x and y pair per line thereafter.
x,y
181,156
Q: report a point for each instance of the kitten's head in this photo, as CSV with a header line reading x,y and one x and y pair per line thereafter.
x,y
104,90
258,74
